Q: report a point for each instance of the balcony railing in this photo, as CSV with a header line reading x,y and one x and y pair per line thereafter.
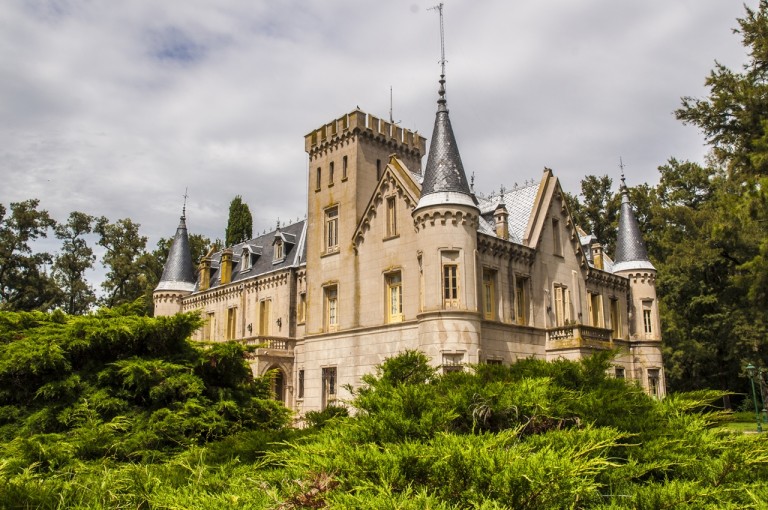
x,y
580,335
274,343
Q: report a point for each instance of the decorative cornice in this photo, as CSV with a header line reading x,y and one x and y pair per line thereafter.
x,y
502,248
444,214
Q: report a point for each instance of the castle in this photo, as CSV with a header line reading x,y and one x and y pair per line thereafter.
x,y
390,258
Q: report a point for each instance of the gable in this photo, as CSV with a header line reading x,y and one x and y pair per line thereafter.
x,y
396,181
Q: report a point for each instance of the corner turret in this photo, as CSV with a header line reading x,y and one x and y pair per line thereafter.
x,y
178,278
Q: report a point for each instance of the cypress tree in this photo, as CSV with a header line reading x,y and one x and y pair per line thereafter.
x,y
240,224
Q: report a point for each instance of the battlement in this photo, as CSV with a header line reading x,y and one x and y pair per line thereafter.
x,y
361,122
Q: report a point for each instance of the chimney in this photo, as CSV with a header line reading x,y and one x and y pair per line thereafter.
x,y
225,271
597,256
502,225
205,274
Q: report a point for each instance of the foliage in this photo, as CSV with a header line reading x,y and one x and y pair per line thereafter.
x,y
69,266
240,222
124,260
24,284
532,435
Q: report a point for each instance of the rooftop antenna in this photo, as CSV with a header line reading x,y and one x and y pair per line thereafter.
x,y
621,166
391,118
439,9
184,207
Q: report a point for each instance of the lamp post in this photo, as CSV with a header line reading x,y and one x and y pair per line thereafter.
x,y
751,372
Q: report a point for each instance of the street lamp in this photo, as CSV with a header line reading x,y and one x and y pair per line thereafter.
x,y
751,370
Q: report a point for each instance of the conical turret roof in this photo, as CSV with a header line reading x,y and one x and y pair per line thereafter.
x,y
630,246
178,273
444,178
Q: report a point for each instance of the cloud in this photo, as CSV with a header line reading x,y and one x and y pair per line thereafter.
x,y
114,108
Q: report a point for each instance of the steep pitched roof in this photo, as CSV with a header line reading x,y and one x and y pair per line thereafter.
x,y
260,251
630,246
519,203
444,178
178,273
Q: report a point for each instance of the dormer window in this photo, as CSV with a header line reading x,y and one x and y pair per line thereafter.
x,y
279,252
246,260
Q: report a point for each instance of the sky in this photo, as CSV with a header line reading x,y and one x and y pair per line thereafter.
x,y
116,108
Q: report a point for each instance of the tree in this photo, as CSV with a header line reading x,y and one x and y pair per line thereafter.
x,y
125,260
240,224
24,284
734,117
71,263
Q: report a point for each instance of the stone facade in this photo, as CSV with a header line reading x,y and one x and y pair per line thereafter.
x,y
379,266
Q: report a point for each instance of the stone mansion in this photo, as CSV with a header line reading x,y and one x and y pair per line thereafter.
x,y
391,257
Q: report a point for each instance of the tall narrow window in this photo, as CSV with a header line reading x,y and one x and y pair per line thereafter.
x,y
332,229
245,260
647,317
615,319
301,308
394,297
330,174
596,310
378,169
420,260
521,301
301,384
329,386
557,246
208,329
331,308
391,217
318,179
265,314
653,382
231,322
562,305
489,294
450,285
344,168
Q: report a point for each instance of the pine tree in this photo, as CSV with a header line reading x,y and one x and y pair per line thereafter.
x,y
240,224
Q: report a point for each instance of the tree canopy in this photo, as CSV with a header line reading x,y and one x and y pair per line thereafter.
x,y
240,222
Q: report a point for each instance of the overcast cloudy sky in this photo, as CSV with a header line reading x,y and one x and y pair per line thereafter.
x,y
113,108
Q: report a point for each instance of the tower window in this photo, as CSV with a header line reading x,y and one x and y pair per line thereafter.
x,y
647,317
653,382
378,169
391,217
330,174
301,308
301,384
450,284
332,229
319,179
344,168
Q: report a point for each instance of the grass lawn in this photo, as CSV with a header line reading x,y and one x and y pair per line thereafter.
x,y
745,426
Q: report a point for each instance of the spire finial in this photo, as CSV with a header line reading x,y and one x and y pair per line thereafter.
x,y
439,9
472,183
184,207
623,180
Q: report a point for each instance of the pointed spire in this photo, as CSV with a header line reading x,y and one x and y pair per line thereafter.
x,y
630,246
178,273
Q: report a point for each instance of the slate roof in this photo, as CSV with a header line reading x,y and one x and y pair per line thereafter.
x,y
261,251
178,272
519,203
630,246
444,171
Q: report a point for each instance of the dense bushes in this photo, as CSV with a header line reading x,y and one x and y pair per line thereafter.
x,y
121,411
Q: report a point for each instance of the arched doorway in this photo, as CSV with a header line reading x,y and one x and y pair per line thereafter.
x,y
278,384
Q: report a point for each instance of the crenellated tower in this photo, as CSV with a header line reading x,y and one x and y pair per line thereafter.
x,y
347,158
632,262
446,219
